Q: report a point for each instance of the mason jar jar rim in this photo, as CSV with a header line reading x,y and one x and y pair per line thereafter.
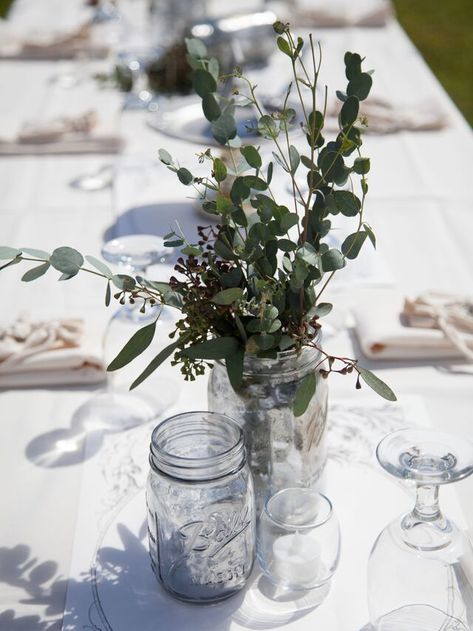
x,y
199,468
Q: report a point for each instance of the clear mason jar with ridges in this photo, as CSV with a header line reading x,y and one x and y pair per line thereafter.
x,y
201,514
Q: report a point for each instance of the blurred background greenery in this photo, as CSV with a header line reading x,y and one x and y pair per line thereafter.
x,y
442,33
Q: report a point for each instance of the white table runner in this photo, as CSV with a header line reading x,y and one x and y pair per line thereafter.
x,y
112,587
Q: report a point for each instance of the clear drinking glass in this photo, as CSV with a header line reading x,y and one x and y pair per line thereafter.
x,y
201,514
420,571
136,60
298,541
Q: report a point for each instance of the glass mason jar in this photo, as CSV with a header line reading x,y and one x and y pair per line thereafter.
x,y
201,515
283,450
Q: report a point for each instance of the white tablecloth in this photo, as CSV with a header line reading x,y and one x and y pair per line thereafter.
x,y
420,204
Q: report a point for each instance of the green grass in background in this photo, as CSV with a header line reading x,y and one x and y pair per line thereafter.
x,y
4,6
442,31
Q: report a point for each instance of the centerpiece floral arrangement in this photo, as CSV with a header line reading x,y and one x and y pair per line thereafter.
x,y
254,282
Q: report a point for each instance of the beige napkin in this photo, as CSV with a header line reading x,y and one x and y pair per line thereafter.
x,y
84,133
432,326
340,13
48,353
50,46
386,118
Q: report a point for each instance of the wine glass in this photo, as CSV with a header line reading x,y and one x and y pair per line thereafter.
x,y
136,60
116,408
420,571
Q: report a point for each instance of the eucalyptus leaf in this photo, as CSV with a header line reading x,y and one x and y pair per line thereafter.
x,y
352,245
196,48
223,250
286,245
376,384
213,68
155,363
224,128
288,221
361,166
228,296
308,254
264,341
330,163
257,183
346,202
252,156
165,157
192,250
108,294
203,82
220,170
284,47
370,234
185,176
100,266
35,272
124,282
304,393
294,159
66,260
39,254
239,191
332,260
175,243
8,253
234,366
210,107
136,345
352,65
323,309
360,86
349,111
216,348
280,161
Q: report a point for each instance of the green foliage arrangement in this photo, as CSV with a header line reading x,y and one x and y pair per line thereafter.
x,y
254,282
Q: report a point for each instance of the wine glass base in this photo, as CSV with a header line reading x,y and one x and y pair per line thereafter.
x,y
418,618
116,411
426,456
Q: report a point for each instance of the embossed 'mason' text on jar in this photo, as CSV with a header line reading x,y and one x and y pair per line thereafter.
x,y
201,515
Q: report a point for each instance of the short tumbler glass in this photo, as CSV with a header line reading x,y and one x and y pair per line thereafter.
x,y
201,513
298,540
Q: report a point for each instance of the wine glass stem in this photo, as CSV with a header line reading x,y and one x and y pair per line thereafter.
x,y
427,502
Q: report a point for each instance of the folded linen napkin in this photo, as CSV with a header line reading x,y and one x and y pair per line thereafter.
x,y
340,13
433,326
385,118
83,133
49,46
47,353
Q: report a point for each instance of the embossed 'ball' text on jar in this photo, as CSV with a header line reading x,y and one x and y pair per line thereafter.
x,y
201,513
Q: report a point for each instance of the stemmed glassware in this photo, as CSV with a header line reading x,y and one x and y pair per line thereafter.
x,y
420,572
117,408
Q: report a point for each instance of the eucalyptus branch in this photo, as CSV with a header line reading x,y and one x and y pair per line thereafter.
x,y
246,285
